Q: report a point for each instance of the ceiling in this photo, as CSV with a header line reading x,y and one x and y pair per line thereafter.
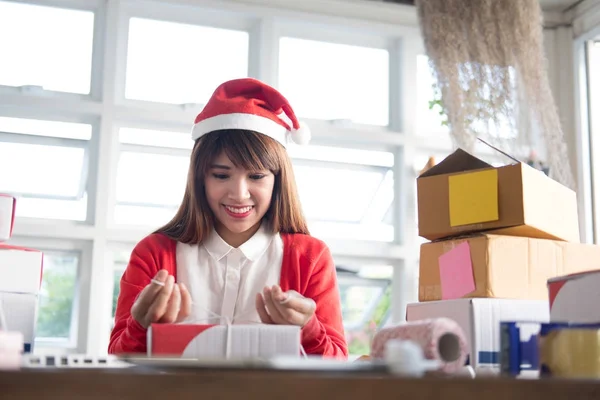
x,y
547,5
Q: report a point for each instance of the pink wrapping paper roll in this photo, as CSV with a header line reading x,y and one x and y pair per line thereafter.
x,y
441,339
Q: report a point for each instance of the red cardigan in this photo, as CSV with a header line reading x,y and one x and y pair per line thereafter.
x,y
307,268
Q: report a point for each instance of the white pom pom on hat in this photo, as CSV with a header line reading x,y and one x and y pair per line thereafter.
x,y
250,104
301,135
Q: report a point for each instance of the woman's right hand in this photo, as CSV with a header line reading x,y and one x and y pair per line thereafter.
x,y
162,304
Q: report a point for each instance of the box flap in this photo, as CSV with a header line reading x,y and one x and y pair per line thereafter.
x,y
458,161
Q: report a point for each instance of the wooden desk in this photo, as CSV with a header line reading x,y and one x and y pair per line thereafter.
x,y
266,385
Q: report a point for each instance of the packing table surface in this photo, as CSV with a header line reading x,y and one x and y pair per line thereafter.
x,y
179,384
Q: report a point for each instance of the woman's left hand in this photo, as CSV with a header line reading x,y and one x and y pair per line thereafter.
x,y
275,306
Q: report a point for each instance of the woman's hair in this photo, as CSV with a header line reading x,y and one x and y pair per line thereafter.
x,y
250,150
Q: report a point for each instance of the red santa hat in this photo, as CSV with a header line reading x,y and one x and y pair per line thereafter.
x,y
251,105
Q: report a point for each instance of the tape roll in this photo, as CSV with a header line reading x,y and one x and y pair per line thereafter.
x,y
441,339
570,351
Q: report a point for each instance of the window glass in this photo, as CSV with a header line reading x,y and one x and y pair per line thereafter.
x,y
57,296
346,193
176,63
156,138
340,82
46,46
365,292
47,164
150,198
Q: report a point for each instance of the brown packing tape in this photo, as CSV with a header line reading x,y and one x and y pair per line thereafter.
x,y
571,353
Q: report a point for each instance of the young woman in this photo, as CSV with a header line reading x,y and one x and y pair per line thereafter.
x,y
238,250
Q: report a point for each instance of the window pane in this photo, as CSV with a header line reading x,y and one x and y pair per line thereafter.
x,y
148,137
55,315
188,72
337,194
162,183
150,198
429,121
46,46
62,162
75,210
365,292
48,169
343,199
340,81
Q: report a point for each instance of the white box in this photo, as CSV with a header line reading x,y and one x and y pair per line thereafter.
x,y
20,310
575,298
480,320
7,216
20,269
211,341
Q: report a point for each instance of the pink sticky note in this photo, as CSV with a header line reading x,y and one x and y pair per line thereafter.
x,y
456,272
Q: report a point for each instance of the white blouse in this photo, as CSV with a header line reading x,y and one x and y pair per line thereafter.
x,y
223,281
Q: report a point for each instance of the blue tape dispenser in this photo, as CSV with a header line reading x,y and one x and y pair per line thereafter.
x,y
519,349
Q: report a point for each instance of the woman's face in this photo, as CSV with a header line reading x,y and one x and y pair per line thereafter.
x,y
239,199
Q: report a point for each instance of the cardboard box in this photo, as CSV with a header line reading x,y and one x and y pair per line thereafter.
x,y
20,310
463,194
223,341
7,216
480,320
499,266
575,298
20,269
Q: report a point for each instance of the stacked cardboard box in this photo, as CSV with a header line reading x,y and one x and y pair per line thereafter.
x,y
495,233
21,272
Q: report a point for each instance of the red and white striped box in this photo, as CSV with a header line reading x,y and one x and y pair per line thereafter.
x,y
8,205
223,341
575,298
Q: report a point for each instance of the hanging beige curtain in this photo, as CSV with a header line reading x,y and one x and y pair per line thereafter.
x,y
488,61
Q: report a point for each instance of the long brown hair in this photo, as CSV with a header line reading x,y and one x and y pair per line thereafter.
x,y
250,150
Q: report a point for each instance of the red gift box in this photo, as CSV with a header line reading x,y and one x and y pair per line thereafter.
x,y
223,341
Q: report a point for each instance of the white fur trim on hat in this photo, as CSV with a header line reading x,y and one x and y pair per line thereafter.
x,y
245,121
